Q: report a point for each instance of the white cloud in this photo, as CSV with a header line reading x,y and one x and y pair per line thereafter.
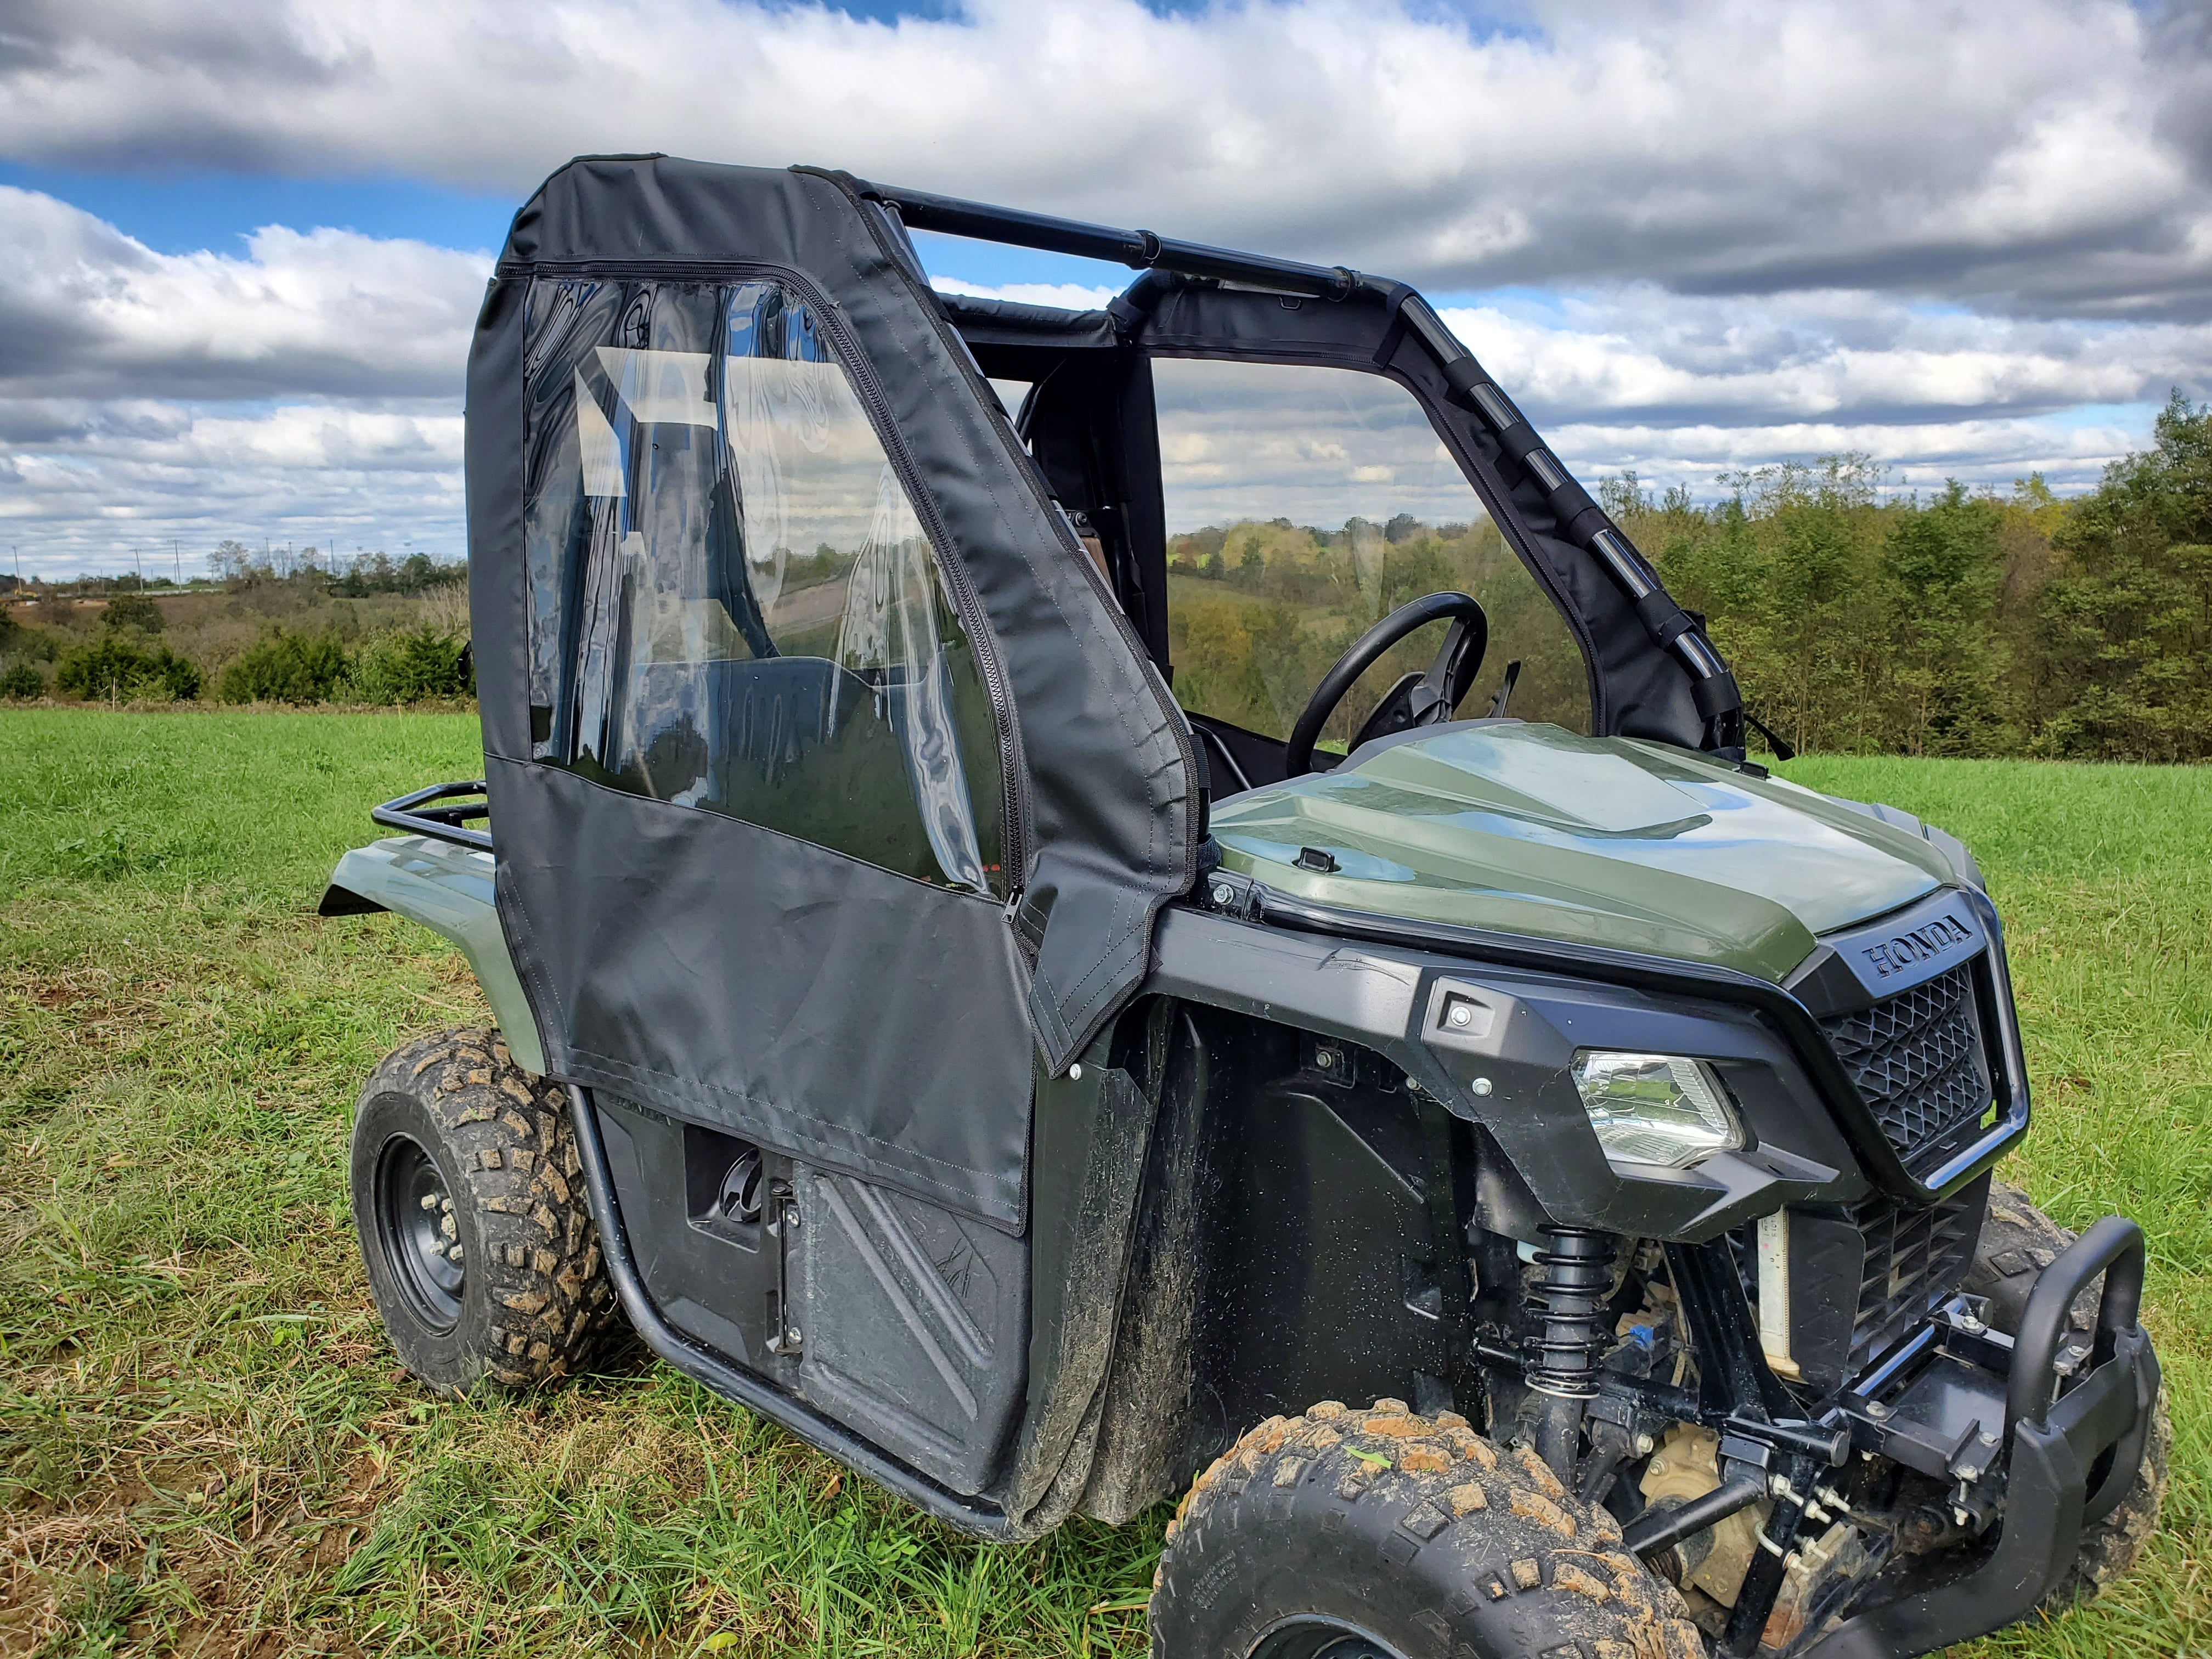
x,y
124,476
1830,356
87,311
2041,155
1066,297
307,392
1690,238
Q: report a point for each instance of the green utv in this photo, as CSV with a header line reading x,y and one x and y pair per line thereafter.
x,y
1010,961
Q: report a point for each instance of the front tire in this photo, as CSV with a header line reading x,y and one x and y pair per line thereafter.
x,y
1379,1534
2018,1242
482,1258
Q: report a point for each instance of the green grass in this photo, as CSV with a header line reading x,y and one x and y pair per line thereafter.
x,y
206,1446
2104,877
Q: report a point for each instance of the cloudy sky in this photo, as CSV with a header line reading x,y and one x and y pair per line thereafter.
x,y
240,245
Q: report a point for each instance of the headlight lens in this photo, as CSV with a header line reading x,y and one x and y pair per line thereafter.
x,y
1656,1109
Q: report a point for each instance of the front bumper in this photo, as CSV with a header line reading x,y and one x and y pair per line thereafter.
x,y
2054,1486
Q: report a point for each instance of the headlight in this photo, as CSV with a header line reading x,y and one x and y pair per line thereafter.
x,y
1655,1108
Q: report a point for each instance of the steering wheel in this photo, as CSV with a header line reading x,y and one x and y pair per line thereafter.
x,y
1416,699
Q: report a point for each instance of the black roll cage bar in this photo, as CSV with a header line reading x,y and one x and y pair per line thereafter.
x,y
1583,521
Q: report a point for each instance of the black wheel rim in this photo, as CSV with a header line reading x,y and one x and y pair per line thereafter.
x,y
418,1234
1320,1639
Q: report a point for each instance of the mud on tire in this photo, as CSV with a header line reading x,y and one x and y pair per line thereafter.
x,y
2018,1242
482,1258
1414,1532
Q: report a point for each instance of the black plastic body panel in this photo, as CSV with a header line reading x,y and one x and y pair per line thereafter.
x,y
1389,999
1831,1098
1323,1281
1148,1398
1859,966
915,1325
713,1280
733,1382
1094,1124
904,1321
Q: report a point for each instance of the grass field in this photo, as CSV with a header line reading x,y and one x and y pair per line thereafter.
x,y
205,1447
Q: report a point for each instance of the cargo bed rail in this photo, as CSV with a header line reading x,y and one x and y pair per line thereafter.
x,y
415,814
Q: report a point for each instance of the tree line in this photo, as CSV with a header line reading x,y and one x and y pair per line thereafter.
x,y
283,629
1963,624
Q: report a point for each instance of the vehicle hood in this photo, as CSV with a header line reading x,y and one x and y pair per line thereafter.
x,y
1531,829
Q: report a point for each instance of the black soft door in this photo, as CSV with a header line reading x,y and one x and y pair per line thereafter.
x,y
751,866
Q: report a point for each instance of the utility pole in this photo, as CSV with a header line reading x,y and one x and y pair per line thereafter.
x,y
140,565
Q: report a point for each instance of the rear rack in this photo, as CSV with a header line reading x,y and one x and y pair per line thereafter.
x,y
413,814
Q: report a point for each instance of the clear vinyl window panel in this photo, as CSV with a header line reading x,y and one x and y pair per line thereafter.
x,y
732,604
1304,503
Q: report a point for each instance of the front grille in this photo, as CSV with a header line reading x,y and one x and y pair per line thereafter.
x,y
1917,1058
1916,1258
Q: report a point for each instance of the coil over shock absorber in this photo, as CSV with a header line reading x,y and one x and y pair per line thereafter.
x,y
1569,1303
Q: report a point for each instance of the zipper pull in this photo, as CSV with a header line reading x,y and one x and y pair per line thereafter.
x,y
1026,941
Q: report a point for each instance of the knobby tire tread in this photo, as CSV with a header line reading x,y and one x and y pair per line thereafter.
x,y
1468,1547
552,1310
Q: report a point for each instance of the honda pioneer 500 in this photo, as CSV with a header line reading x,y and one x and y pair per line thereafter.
x,y
982,981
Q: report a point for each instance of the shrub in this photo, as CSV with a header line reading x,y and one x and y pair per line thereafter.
x,y
133,610
27,644
285,668
115,667
22,681
410,666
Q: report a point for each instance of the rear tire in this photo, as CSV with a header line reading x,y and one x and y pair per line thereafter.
x,y
2018,1242
482,1258
1343,1535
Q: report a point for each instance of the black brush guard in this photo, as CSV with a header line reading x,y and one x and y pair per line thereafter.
x,y
2073,1455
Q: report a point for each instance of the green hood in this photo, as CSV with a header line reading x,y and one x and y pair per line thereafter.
x,y
1530,828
